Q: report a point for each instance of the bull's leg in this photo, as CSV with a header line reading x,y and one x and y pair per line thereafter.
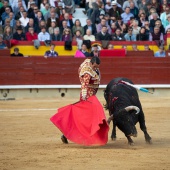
x,y
113,135
130,141
148,139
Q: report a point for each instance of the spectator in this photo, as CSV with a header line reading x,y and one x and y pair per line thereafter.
x,y
16,7
12,20
42,23
31,35
51,53
110,47
155,17
118,36
68,20
18,24
82,52
24,19
108,6
142,36
43,35
143,5
95,51
90,7
142,19
130,22
134,47
134,10
90,26
46,9
129,36
39,17
56,36
160,53
60,10
164,15
2,44
124,29
67,35
18,14
31,24
64,26
43,3
127,4
152,11
89,36
119,23
8,35
16,3
19,35
164,3
7,23
115,11
77,26
125,47
5,4
146,47
113,28
5,14
167,22
158,23
69,6
77,36
52,27
126,15
156,36
156,5
53,17
17,53
166,34
95,15
101,24
103,34
135,27
146,25
33,10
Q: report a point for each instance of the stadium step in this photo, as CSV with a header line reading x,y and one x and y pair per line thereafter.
x,y
78,14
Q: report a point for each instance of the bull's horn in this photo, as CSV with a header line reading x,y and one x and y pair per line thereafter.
x,y
132,108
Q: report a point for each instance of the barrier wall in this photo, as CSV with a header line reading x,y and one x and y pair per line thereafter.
x,y
64,70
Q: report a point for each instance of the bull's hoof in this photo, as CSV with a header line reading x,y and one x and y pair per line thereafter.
x,y
64,139
131,143
113,137
149,141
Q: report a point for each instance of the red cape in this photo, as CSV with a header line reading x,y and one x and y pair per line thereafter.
x,y
83,122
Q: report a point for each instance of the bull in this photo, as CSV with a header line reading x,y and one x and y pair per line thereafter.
x,y
125,109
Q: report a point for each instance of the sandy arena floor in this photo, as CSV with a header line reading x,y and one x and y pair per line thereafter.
x,y
29,141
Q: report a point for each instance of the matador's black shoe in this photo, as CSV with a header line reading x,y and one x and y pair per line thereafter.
x,y
64,139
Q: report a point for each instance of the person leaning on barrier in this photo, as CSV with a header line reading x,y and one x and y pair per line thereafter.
x,y
161,52
17,53
51,53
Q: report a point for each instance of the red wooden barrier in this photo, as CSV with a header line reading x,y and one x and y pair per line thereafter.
x,y
57,71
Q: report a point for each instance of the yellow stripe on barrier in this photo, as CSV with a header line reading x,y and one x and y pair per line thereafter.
x,y
29,50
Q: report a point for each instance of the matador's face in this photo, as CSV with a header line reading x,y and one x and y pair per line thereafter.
x,y
95,66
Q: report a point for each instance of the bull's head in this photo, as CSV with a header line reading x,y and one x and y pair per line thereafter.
x,y
125,120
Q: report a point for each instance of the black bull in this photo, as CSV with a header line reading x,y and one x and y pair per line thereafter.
x,y
119,97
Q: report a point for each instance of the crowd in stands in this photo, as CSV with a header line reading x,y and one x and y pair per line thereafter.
x,y
117,20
